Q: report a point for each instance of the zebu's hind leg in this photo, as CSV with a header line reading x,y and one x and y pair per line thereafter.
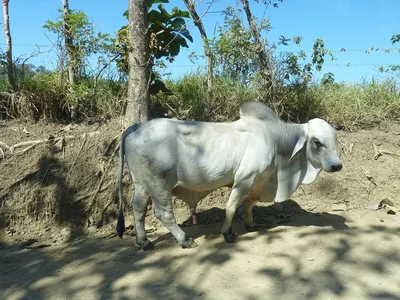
x,y
140,202
161,195
248,219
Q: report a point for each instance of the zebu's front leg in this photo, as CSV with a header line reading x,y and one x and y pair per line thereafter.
x,y
239,192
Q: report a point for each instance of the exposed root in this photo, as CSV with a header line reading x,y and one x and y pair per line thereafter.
x,y
376,152
93,199
105,187
380,152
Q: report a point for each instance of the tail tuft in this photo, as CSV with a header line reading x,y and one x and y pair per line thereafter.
x,y
121,223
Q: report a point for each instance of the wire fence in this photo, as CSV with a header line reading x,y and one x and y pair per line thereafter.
x,y
373,60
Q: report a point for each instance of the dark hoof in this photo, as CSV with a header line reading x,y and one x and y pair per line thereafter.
x,y
229,237
146,245
250,227
188,243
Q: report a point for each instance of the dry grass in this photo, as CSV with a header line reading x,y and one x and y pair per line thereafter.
x,y
347,106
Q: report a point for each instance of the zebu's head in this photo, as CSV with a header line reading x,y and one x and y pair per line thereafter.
x,y
321,146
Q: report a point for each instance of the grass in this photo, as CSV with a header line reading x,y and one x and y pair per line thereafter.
x,y
43,96
347,106
358,105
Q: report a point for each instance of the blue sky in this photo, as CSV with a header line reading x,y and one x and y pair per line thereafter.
x,y
355,25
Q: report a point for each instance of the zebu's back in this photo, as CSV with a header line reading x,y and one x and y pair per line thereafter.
x,y
196,155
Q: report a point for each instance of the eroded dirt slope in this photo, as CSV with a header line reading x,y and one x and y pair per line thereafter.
x,y
57,218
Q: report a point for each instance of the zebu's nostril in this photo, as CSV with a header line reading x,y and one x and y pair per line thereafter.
x,y
336,168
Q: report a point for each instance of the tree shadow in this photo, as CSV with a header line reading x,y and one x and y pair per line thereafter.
x,y
67,212
292,261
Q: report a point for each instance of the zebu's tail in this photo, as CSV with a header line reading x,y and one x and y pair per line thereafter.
x,y
121,218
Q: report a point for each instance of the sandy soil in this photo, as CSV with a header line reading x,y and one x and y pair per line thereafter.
x,y
315,256
325,244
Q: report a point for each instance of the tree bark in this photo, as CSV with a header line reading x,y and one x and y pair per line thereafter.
x,y
264,63
138,101
207,51
61,64
69,43
10,67
72,63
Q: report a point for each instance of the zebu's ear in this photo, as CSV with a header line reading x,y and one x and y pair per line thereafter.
x,y
301,142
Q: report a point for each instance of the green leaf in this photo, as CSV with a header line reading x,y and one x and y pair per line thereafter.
x,y
395,38
178,23
182,41
297,40
155,16
151,2
174,47
176,12
164,12
186,34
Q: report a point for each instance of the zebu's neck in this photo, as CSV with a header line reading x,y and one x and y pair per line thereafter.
x,y
286,136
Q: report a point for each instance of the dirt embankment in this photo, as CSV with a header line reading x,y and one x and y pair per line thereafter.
x,y
58,181
57,184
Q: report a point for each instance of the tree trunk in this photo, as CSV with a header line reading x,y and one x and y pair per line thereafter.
x,y
69,43
61,64
138,101
264,63
10,69
69,46
207,51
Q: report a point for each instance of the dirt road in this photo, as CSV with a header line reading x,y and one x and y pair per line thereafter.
x,y
353,255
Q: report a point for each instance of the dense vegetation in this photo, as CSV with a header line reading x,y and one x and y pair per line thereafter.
x,y
101,91
345,105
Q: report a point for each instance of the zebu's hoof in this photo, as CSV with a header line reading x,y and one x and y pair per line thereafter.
x,y
250,228
146,245
229,237
188,243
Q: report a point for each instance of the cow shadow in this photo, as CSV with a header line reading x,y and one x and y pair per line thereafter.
x,y
266,218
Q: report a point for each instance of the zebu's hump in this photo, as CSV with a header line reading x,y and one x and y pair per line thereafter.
x,y
258,110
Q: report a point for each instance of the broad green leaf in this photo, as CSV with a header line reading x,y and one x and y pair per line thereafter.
x,y
155,16
186,34
178,23
164,12
182,41
174,47
176,12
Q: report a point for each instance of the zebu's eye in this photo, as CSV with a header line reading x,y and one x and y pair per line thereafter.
x,y
318,144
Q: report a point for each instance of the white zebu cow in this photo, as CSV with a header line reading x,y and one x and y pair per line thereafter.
x,y
259,156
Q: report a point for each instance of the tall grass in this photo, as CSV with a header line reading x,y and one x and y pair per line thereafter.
x,y
358,105
43,96
189,98
345,105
